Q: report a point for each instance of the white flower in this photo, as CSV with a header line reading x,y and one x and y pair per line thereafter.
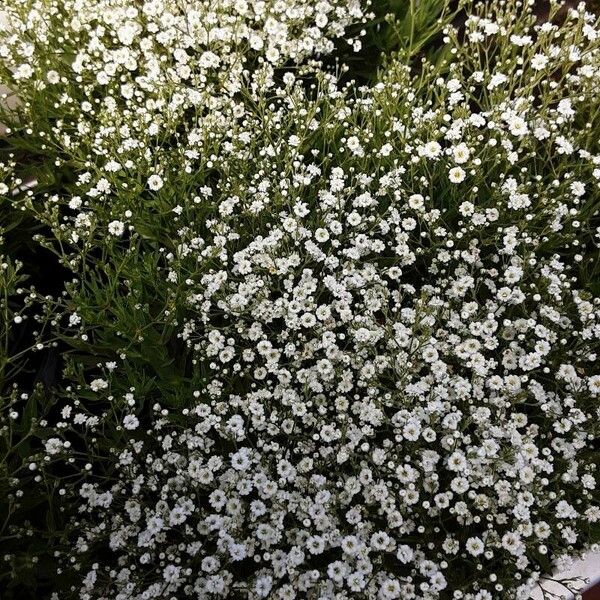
x,y
240,460
539,62
116,228
390,589
75,203
52,77
209,60
315,544
521,40
155,182
475,546
24,71
577,188
432,149
457,175
272,54
461,153
171,573
356,581
321,235
354,145
98,384
386,149
53,446
416,201
565,108
594,385
263,586
517,126
496,80
127,32
457,461
466,209
74,319
512,543
130,422
350,545
404,553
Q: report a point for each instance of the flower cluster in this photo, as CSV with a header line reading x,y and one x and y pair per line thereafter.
x,y
136,74
383,296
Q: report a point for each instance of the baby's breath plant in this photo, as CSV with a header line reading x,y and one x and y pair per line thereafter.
x,y
322,339
25,498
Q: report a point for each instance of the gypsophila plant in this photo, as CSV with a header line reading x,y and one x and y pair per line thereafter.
x,y
321,339
24,494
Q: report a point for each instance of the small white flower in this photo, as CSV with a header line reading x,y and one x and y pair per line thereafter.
x,y
517,126
466,209
272,54
116,228
461,153
475,546
130,422
386,150
75,203
431,149
53,446
321,235
53,77
594,385
539,62
496,80
155,182
209,60
99,384
457,175
416,201
565,108
354,145
315,544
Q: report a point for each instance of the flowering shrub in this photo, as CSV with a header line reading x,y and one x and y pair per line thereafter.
x,y
321,339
